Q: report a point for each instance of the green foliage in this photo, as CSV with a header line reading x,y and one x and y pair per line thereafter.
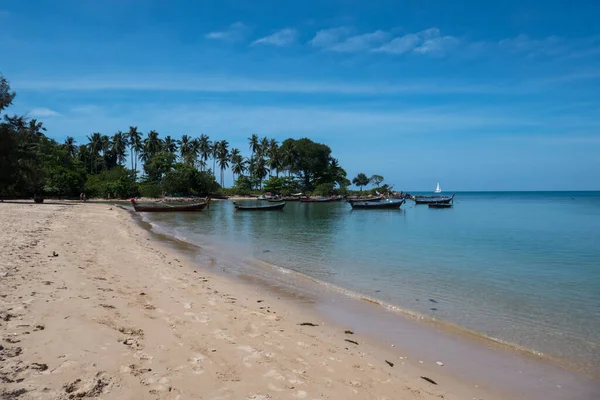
x,y
311,162
159,165
377,180
324,189
184,179
31,163
243,185
116,183
284,185
361,180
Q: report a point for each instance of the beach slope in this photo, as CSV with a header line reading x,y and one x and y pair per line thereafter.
x,y
91,307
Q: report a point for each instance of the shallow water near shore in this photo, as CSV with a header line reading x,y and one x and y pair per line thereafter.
x,y
523,268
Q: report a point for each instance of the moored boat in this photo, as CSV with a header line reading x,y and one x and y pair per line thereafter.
x,y
433,199
374,205
269,207
169,208
365,199
440,205
320,199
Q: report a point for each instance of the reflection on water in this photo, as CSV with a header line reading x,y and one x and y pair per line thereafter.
x,y
522,267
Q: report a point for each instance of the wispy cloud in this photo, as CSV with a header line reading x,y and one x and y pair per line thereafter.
x,y
42,112
233,84
359,43
551,45
235,32
280,38
329,37
428,41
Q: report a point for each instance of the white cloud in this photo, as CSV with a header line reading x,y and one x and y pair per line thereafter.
x,y
400,45
358,43
329,37
280,38
427,41
236,31
42,112
234,84
551,45
438,45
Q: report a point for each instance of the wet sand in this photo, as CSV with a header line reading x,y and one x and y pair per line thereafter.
x,y
91,305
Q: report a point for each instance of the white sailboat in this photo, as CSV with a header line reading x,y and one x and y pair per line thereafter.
x,y
438,189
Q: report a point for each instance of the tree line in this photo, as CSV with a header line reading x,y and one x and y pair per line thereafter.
x,y
130,163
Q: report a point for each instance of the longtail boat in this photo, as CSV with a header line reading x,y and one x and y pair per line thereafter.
x,y
364,199
269,207
378,205
285,198
320,200
169,208
440,205
433,199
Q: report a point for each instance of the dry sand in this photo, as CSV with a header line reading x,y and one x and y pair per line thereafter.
x,y
91,307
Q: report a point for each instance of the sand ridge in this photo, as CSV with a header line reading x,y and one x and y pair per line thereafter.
x,y
91,307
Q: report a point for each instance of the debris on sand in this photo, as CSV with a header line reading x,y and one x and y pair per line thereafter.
x,y
307,324
349,332
429,380
351,341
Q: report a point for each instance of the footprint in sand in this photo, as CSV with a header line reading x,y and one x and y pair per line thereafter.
x,y
253,354
187,306
195,362
219,334
275,375
202,318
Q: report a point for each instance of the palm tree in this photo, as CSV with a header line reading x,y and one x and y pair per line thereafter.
x,y
169,145
260,170
288,159
135,145
215,153
107,157
70,146
253,140
205,148
238,165
36,128
95,145
263,147
119,147
83,153
185,148
274,158
223,158
361,180
152,144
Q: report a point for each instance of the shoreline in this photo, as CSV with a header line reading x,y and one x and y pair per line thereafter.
x,y
527,364
401,312
178,305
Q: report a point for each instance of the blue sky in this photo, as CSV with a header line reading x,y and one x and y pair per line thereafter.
x,y
475,95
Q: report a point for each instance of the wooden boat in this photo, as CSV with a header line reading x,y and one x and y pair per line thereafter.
x,y
169,208
269,207
366,199
320,200
433,199
440,205
377,205
285,198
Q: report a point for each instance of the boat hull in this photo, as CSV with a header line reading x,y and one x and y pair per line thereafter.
x,y
181,208
273,207
382,205
433,199
440,205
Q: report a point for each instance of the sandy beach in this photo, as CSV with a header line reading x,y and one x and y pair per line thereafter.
x,y
92,307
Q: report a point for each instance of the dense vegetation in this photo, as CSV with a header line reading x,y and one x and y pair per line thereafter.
x,y
129,164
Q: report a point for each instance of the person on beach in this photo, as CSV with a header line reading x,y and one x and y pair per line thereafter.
x,y
82,197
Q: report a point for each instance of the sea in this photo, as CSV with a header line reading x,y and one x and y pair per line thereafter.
x,y
521,268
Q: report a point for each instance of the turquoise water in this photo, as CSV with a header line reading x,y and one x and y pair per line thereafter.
x,y
517,266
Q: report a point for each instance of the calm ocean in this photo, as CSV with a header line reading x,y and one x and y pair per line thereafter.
x,y
521,267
